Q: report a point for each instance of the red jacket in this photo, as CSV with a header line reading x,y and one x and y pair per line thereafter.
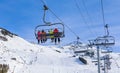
x,y
55,30
39,34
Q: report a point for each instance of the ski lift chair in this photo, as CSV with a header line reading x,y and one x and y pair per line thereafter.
x,y
105,40
46,28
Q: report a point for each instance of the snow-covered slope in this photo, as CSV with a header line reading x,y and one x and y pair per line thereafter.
x,y
24,57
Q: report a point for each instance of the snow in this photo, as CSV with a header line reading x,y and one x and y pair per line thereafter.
x,y
25,57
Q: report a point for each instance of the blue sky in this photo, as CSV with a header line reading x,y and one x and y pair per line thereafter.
x,y
22,16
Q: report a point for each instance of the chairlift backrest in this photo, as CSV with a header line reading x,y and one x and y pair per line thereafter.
x,y
103,41
106,40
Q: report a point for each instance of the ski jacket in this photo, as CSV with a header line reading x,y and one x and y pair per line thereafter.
x,y
56,34
51,34
39,35
55,30
43,35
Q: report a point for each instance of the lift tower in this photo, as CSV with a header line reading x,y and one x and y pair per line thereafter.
x,y
105,41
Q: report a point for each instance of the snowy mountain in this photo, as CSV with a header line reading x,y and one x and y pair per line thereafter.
x,y
24,57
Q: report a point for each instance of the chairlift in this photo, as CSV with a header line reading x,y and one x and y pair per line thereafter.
x,y
105,40
107,50
47,26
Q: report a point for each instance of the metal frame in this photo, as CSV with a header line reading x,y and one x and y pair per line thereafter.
x,y
103,41
50,26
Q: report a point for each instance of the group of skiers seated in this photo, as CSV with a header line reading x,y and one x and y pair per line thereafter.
x,y
54,35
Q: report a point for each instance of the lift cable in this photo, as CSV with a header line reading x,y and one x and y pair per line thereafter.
x,y
61,21
103,17
76,3
90,19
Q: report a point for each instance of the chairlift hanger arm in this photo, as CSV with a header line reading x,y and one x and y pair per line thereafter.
x,y
44,15
106,29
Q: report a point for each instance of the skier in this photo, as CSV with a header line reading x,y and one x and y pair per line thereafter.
x,y
38,36
51,35
56,35
44,39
